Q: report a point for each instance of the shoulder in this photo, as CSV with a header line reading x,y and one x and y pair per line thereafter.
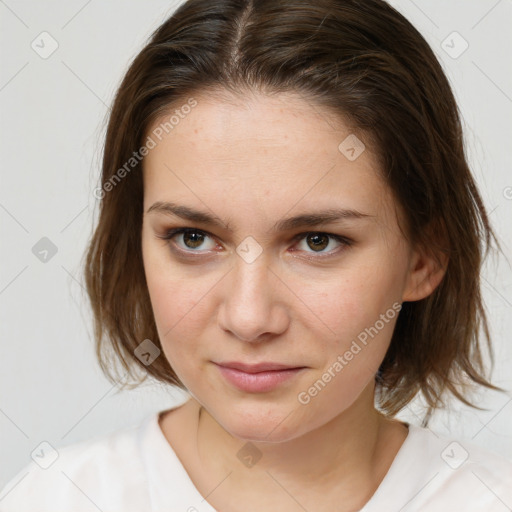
x,y
456,474
84,476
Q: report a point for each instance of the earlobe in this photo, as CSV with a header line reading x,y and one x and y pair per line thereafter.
x,y
425,274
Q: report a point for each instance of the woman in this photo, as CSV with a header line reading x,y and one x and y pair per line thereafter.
x,y
290,232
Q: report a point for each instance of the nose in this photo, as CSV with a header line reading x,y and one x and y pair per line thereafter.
x,y
253,303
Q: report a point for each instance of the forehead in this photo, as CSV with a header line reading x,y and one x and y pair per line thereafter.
x,y
236,125
259,154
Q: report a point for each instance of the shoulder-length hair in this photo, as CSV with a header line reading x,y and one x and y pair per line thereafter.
x,y
366,63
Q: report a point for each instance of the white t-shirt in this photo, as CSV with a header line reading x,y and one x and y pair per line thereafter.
x,y
135,469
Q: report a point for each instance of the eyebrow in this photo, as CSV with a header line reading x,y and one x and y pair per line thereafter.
x,y
304,220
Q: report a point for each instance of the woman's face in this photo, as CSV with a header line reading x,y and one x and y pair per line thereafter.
x,y
254,287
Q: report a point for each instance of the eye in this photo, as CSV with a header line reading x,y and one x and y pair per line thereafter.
x,y
192,239
319,241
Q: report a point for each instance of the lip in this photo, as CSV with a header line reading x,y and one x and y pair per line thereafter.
x,y
256,368
257,378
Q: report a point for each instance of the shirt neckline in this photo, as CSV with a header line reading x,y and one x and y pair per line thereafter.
x,y
399,473
164,469
163,466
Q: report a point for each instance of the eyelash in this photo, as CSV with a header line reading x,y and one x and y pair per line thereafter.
x,y
170,234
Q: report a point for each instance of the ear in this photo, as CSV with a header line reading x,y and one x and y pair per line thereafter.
x,y
425,273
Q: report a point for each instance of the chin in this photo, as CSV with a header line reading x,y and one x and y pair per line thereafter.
x,y
262,433
269,422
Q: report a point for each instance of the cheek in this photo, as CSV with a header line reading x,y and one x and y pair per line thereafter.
x,y
177,294
177,317
177,306
174,303
178,310
347,304
360,310
348,365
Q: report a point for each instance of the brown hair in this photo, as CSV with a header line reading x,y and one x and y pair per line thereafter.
x,y
366,63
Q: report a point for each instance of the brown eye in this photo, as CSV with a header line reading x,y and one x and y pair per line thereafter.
x,y
193,239
317,241
321,245
189,239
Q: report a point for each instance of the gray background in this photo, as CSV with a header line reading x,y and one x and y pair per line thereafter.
x,y
53,113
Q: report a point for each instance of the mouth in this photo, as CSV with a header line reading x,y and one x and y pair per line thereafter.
x,y
257,378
